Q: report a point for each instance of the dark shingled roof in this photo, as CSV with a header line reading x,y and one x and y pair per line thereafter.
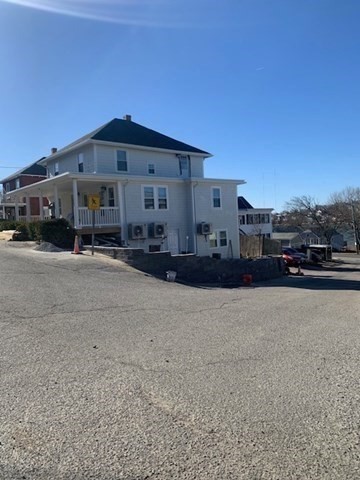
x,y
243,203
33,169
129,132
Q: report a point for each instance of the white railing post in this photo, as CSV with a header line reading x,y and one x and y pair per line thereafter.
x,y
28,213
41,206
76,203
56,201
16,209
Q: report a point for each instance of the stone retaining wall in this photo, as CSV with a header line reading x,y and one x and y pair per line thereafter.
x,y
193,269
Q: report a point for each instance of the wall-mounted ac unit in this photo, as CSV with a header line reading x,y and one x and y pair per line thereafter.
x,y
137,231
157,230
204,228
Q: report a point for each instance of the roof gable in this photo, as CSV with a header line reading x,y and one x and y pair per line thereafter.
x,y
33,169
129,132
243,204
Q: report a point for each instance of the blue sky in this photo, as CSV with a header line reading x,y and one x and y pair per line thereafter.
x,y
269,87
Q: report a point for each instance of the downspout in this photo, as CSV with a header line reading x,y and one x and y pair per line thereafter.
x,y
193,186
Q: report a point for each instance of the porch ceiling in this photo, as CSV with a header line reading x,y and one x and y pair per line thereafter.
x,y
45,188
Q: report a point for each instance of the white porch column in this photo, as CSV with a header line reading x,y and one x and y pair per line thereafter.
x,y
56,202
41,206
27,200
16,209
76,203
121,203
3,209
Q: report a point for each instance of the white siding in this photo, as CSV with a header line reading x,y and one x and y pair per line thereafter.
x,y
69,162
176,217
224,218
166,164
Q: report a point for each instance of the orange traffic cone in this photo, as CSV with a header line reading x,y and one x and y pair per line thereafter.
x,y
76,246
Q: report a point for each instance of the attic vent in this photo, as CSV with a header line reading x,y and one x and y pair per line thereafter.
x,y
127,117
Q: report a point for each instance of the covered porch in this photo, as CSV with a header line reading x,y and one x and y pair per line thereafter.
x,y
68,198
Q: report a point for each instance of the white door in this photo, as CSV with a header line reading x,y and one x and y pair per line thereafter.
x,y
173,241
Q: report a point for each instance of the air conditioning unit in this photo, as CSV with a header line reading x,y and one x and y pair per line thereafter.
x,y
204,228
137,231
157,230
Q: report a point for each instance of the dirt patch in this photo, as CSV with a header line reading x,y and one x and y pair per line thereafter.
x,y
6,235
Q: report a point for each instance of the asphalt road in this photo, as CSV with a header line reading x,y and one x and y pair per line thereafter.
x,y
109,374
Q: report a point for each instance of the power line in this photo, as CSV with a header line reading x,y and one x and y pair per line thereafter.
x,y
3,166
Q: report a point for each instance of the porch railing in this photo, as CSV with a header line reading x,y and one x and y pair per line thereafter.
x,y
103,217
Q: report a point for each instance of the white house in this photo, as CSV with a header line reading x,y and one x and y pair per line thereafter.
x,y
152,191
254,221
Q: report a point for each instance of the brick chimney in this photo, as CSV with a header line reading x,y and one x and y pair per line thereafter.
x,y
127,118
53,150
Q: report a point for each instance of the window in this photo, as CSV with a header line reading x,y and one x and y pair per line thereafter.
x,y
121,161
256,218
149,198
7,187
218,238
17,183
111,197
155,198
183,164
162,198
242,219
249,219
56,169
216,197
81,162
151,168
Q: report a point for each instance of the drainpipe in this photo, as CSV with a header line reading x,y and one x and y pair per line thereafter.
x,y
193,186
75,203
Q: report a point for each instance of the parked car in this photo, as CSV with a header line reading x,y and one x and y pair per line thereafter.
x,y
290,261
292,252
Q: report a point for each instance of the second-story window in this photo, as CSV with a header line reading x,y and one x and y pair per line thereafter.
x,y
151,168
121,161
81,162
7,187
56,170
17,183
216,197
184,165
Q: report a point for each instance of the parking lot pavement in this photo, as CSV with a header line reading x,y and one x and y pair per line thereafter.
x,y
108,373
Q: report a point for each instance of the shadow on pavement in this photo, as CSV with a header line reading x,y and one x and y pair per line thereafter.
x,y
314,283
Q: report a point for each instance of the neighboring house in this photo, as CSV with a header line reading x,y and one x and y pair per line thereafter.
x,y
24,206
151,187
254,221
310,238
288,239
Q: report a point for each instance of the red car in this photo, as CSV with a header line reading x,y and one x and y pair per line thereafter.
x,y
290,261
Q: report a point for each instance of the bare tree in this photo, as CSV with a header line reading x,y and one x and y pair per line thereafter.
x,y
346,203
306,212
